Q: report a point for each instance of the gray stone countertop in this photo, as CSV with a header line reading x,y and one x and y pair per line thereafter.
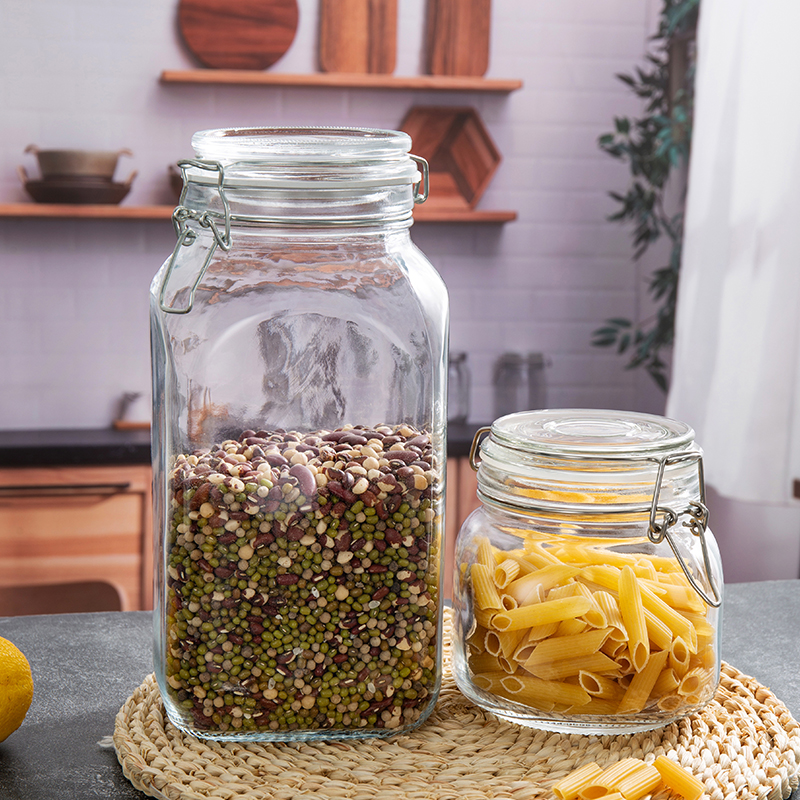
x,y
85,667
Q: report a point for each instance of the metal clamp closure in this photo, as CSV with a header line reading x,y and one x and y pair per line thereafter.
x,y
697,524
422,187
187,236
473,450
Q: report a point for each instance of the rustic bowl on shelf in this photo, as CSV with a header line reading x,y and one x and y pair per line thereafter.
x,y
460,153
99,164
76,190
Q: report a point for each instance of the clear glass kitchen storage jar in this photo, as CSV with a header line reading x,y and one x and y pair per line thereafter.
x,y
299,350
588,587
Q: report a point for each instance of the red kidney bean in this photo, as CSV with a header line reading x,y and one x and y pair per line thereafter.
x,y
305,479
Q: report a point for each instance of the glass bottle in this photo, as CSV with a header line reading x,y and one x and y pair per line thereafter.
x,y
510,390
458,389
537,381
299,350
588,588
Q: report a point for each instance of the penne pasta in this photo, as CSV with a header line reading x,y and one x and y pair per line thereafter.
x,y
532,636
666,683
625,629
609,605
597,705
531,690
678,779
704,629
485,555
678,596
600,686
642,684
491,643
679,625
640,782
505,572
628,779
530,588
645,570
507,601
595,615
541,613
484,662
536,553
605,577
693,681
671,702
707,658
483,588
557,670
679,656
484,617
570,627
580,554
569,786
659,634
509,642
489,681
630,605
561,647
612,776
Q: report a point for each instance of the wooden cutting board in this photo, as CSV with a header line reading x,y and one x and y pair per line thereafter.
x,y
457,37
358,36
238,34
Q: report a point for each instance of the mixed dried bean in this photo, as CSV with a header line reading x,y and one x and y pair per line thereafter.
x,y
303,585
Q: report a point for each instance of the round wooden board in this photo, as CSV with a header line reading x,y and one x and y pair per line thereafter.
x,y
238,34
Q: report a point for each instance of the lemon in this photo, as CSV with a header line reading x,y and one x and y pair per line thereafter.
x,y
16,688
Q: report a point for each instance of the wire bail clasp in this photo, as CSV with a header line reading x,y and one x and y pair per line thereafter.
x,y
187,236
697,523
422,187
474,461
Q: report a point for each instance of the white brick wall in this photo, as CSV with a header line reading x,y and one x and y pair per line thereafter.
x,y
73,304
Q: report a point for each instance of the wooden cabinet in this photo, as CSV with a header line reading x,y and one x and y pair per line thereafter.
x,y
78,524
462,500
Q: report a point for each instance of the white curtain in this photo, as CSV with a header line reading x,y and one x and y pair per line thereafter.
x,y
736,368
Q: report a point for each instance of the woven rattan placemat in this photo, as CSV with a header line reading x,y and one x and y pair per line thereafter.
x,y
744,744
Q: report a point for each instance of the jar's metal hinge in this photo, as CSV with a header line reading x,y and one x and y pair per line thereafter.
x,y
187,235
421,188
474,461
697,524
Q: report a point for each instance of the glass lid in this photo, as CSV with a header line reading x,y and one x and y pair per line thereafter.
x,y
591,433
302,145
569,458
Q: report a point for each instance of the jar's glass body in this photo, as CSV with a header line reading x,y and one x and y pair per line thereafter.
x,y
299,452
576,608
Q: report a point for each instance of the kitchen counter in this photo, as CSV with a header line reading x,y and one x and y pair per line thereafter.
x,y
107,446
74,447
85,667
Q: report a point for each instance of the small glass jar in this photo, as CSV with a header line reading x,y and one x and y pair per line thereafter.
x,y
588,588
299,376
458,389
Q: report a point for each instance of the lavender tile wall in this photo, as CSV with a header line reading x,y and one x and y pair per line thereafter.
x,y
73,303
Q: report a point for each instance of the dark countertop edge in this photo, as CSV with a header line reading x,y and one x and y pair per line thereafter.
x,y
74,447
109,446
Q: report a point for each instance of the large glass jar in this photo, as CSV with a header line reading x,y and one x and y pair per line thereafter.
x,y
588,587
299,374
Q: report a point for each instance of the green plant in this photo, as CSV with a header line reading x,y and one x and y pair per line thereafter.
x,y
654,146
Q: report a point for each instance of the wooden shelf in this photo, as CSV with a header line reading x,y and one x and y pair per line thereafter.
x,y
68,211
341,80
421,214
74,211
